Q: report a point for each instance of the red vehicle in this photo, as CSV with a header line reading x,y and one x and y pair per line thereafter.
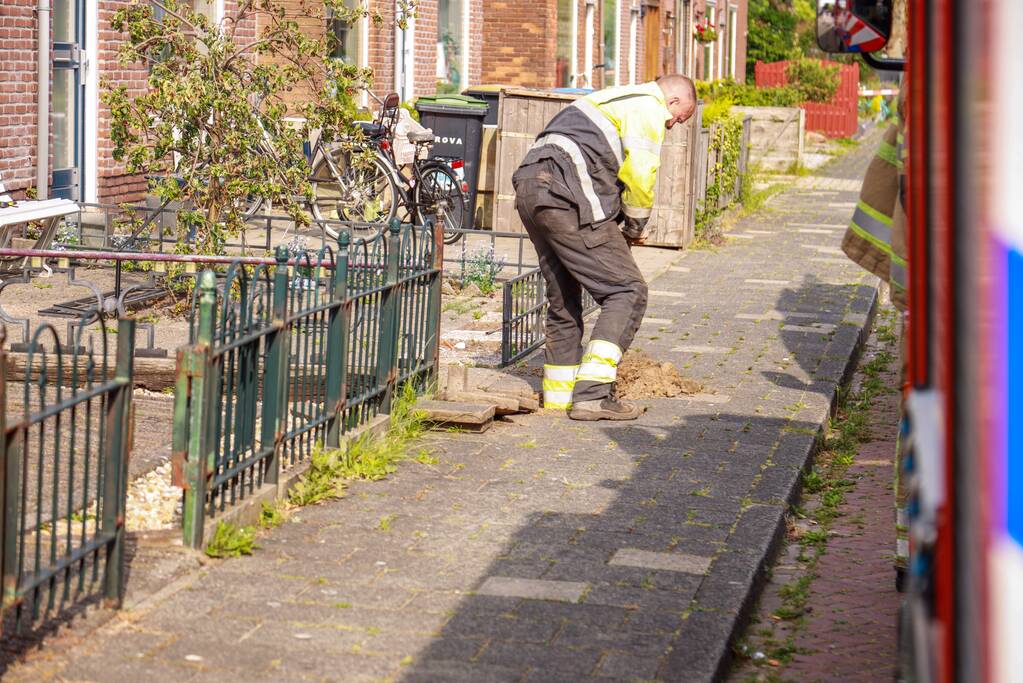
x,y
962,619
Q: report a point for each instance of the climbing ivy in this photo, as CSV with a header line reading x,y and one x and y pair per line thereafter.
x,y
726,141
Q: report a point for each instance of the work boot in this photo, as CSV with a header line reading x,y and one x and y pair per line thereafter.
x,y
610,408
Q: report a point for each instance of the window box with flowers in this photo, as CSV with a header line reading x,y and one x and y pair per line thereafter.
x,y
705,33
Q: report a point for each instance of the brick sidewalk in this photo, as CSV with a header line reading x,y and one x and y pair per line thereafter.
x,y
548,550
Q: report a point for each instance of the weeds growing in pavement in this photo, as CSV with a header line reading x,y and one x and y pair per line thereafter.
x,y
826,485
231,541
370,457
322,481
273,514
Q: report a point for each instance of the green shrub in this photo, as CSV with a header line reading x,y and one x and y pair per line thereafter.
x,y
745,95
815,81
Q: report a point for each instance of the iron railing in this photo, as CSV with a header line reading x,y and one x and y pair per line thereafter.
x,y
64,445
285,360
524,313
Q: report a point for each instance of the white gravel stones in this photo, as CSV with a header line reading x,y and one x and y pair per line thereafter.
x,y
153,502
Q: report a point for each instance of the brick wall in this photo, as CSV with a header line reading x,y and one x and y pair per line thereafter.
x,y
476,45
381,48
625,9
17,94
425,48
114,184
740,41
520,40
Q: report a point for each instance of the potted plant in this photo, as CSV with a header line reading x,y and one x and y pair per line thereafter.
x,y
705,32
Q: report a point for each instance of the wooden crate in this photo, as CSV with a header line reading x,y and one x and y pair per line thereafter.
x,y
525,112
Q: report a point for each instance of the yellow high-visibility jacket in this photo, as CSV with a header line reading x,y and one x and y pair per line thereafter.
x,y
875,238
608,145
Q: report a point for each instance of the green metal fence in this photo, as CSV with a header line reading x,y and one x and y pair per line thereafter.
x,y
64,444
285,359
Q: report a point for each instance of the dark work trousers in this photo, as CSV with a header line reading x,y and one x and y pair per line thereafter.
x,y
573,256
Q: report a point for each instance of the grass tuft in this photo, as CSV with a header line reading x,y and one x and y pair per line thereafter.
x,y
231,541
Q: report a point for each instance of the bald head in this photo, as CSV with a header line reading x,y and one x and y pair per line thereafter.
x,y
679,96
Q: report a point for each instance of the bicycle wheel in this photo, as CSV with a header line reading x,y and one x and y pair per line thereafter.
x,y
358,193
250,206
439,188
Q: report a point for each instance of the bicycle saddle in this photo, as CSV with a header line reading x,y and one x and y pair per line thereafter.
x,y
416,137
371,130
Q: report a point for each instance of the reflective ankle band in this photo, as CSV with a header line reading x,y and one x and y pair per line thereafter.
x,y
558,382
600,362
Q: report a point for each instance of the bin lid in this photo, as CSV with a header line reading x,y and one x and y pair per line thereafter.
x,y
574,91
491,89
460,101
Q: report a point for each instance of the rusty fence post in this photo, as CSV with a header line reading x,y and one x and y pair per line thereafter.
x,y
275,372
195,415
387,350
115,474
338,328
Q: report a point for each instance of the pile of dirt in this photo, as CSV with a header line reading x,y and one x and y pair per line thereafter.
x,y
640,376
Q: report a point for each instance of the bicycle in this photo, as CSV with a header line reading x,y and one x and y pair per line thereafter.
x,y
372,189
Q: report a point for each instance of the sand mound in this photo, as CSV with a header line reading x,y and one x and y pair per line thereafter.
x,y
640,376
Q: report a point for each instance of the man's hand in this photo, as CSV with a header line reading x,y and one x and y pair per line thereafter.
x,y
635,228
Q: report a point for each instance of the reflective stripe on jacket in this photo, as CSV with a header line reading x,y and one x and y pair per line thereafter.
x,y
873,239
608,143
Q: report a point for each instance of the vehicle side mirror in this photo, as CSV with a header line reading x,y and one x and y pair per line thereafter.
x,y
853,25
392,101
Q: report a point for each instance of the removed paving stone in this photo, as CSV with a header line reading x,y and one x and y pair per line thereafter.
x,y
469,417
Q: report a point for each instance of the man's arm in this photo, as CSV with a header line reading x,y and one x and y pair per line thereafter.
x,y
642,131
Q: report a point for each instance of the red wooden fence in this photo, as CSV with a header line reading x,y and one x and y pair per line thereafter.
x,y
837,118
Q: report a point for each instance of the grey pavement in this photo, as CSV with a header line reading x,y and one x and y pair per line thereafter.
x,y
548,550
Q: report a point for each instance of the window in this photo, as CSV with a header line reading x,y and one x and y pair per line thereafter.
x,y
450,48
566,49
610,42
733,19
683,37
709,72
347,35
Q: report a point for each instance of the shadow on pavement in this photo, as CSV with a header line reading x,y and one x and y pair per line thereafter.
x,y
817,332
602,590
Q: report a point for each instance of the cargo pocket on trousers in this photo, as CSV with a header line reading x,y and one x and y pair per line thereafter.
x,y
602,244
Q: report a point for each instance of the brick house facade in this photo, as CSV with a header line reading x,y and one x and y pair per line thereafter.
x,y
443,36
543,44
82,54
83,126
449,45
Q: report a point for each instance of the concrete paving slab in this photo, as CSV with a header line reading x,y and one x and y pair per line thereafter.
x,y
671,562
